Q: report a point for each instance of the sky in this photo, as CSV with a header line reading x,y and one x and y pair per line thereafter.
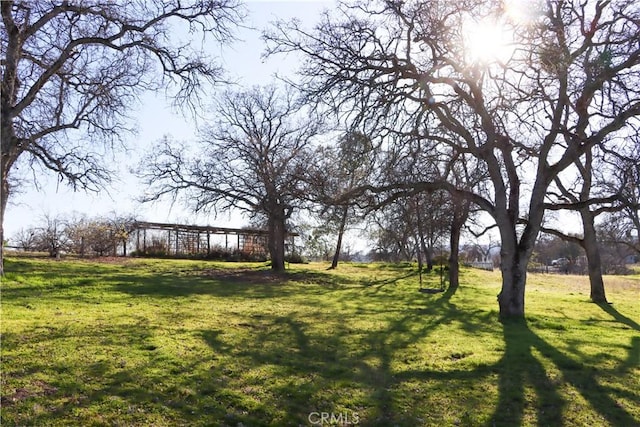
x,y
155,118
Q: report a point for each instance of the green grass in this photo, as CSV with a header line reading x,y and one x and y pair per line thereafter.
x,y
163,343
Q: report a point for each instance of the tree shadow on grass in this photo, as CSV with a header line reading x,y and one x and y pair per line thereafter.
x,y
132,380
633,359
320,369
609,309
316,369
316,364
287,366
519,366
245,282
135,279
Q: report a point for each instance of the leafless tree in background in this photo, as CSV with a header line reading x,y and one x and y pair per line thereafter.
x,y
339,169
582,190
604,183
253,158
72,70
622,227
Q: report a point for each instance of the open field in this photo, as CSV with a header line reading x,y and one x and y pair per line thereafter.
x,y
163,343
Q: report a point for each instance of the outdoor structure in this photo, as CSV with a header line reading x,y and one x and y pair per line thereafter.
x,y
155,238
484,265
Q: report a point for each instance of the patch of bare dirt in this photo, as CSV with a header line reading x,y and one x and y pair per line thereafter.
x,y
109,260
243,275
268,277
37,388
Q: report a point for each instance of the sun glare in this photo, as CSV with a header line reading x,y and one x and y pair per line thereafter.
x,y
522,12
487,42
492,39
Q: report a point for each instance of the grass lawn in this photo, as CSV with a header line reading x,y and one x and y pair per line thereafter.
x,y
169,343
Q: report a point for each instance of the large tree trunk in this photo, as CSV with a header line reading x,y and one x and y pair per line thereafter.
x,y
590,242
276,243
514,258
594,263
428,254
343,224
514,278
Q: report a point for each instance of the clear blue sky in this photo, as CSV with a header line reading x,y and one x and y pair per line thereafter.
x,y
156,118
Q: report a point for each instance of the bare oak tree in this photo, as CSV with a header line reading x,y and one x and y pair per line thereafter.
x,y
253,158
339,169
622,227
71,71
567,80
602,183
582,189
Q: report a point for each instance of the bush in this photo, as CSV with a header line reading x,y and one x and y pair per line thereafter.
x,y
296,259
216,254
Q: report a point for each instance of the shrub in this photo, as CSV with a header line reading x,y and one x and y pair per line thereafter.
x,y
296,259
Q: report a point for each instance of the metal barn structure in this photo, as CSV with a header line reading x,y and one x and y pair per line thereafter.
x,y
187,240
